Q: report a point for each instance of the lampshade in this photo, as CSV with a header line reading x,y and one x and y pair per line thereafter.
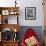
x,y
15,30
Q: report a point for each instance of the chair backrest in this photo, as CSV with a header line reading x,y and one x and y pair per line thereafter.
x,y
28,34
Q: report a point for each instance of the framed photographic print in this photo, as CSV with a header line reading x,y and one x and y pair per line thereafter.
x,y
5,12
30,13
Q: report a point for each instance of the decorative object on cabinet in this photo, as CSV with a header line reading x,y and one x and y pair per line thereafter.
x,y
15,2
30,13
13,12
7,28
5,19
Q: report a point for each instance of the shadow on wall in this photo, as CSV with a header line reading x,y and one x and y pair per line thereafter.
x,y
37,29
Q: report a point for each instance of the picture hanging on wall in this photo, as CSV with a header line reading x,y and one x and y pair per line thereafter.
x,y
30,13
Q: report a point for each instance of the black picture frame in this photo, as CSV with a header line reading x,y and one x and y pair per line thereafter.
x,y
30,13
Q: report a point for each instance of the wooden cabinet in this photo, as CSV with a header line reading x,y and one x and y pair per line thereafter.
x,y
6,12
7,26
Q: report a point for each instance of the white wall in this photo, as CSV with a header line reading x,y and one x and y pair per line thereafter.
x,y
39,12
27,3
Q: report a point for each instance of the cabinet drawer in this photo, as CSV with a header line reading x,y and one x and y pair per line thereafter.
x,y
10,44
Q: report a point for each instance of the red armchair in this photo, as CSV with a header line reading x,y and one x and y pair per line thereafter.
x,y
28,34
